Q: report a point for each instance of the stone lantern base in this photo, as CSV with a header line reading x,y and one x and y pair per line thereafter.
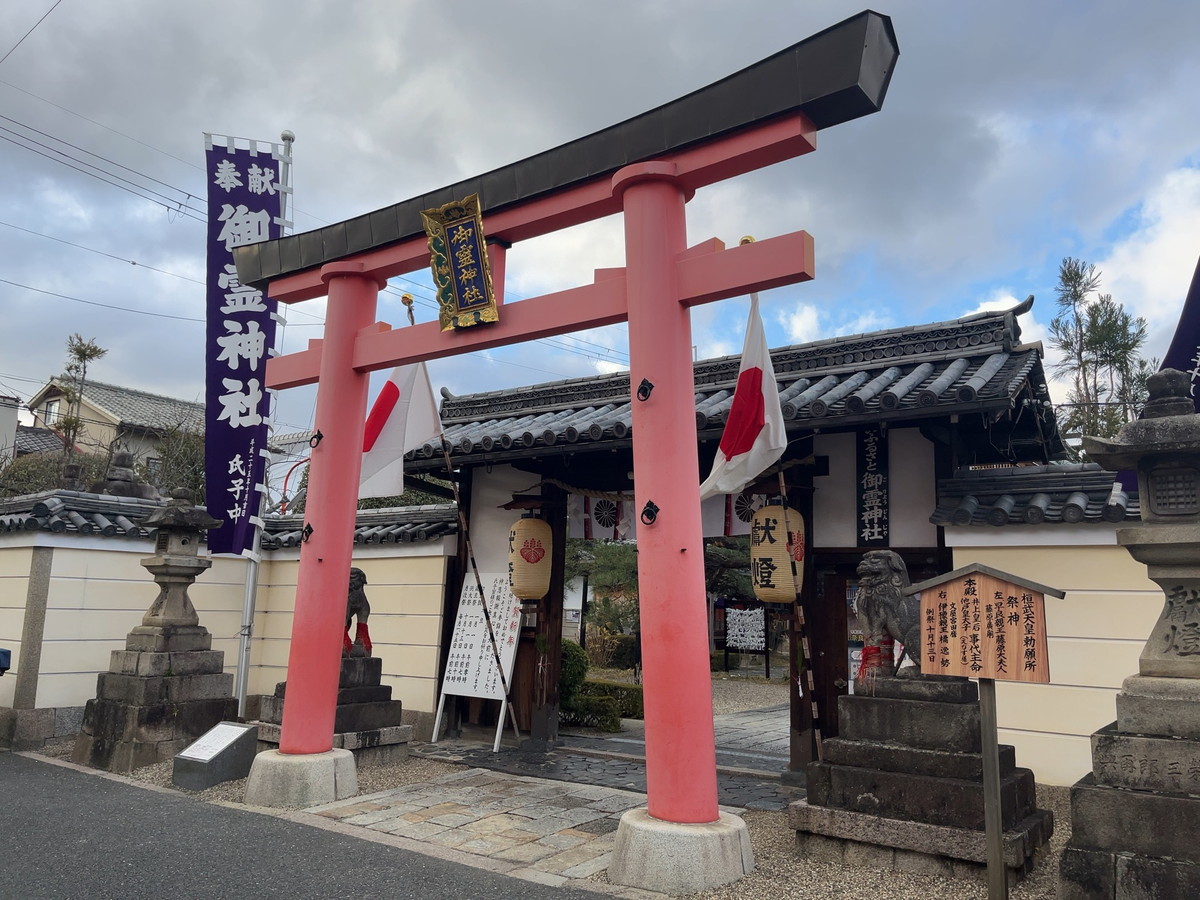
x,y
164,690
1135,817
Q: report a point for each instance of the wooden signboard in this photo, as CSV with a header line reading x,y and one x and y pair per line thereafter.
x,y
980,623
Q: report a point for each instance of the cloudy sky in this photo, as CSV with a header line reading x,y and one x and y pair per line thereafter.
x,y
1014,134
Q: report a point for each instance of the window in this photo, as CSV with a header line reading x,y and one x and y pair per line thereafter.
x,y
52,411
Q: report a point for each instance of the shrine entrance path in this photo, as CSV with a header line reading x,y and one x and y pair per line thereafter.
x,y
751,745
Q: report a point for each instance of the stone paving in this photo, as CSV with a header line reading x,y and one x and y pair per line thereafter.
x,y
557,830
552,816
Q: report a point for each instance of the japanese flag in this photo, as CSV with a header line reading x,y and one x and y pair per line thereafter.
x,y
404,416
754,435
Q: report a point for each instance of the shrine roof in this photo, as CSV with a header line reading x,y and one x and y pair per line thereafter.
x,y
975,364
103,515
1069,494
832,77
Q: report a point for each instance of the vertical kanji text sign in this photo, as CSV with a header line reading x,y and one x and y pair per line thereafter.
x,y
982,626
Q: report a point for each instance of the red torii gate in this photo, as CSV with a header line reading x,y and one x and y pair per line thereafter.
x,y
662,279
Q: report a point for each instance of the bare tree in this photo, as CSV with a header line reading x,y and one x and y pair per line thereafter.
x,y
80,354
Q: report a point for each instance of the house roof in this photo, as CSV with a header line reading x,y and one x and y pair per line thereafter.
x,y
104,515
133,408
31,439
1079,493
973,368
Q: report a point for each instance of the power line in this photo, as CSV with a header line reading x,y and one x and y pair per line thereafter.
x,y
30,31
141,312
187,194
131,187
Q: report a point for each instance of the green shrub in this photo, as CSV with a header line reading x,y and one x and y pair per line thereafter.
x,y
716,661
591,712
628,697
573,672
626,654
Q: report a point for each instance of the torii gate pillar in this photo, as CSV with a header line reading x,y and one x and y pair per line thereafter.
x,y
682,839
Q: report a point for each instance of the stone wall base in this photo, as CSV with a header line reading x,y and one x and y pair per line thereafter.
x,y
30,729
375,747
846,837
1091,874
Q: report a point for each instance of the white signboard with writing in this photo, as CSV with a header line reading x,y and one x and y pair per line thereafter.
x,y
746,629
470,663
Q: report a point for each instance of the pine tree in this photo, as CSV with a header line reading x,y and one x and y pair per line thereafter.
x,y
1100,343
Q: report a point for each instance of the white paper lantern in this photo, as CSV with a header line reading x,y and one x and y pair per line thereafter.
x,y
529,545
773,555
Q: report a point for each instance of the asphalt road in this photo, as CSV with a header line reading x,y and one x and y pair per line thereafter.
x,y
67,834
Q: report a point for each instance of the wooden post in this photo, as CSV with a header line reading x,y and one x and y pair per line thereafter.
x,y
997,872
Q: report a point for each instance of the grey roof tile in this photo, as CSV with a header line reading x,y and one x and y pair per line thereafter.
x,y
973,364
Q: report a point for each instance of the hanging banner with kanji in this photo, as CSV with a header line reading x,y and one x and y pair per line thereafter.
x,y
470,663
459,260
245,197
872,502
981,623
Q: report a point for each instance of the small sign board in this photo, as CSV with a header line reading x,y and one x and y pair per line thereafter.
x,y
470,664
213,741
459,261
982,623
223,753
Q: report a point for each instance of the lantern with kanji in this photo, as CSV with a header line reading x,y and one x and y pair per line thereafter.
x,y
529,543
777,553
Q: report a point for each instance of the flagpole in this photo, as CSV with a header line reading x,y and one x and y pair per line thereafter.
x,y
801,624
250,596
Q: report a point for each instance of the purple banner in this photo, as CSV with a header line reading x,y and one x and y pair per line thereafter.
x,y
1184,352
244,207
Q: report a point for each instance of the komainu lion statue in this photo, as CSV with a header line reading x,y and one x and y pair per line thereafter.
x,y
885,613
357,605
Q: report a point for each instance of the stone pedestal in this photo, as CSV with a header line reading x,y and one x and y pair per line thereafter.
x,y
1136,816
902,786
367,719
164,690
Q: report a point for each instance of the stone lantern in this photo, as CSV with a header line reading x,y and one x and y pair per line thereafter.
x,y
176,563
168,686
1136,815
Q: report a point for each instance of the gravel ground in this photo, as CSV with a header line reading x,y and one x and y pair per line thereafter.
x,y
779,874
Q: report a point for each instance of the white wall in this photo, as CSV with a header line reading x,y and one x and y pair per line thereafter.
x,y
912,485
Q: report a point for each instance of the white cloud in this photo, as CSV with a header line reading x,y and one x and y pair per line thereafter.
x,y
1150,269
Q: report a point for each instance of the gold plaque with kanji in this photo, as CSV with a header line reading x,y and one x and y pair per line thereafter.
x,y
459,261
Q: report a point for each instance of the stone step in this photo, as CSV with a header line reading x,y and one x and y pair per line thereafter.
x,y
1139,822
921,724
147,691
1099,874
934,688
168,638
183,662
1145,762
1021,842
349,717
362,694
920,798
894,758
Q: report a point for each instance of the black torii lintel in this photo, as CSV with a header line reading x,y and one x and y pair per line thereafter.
x,y
833,76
